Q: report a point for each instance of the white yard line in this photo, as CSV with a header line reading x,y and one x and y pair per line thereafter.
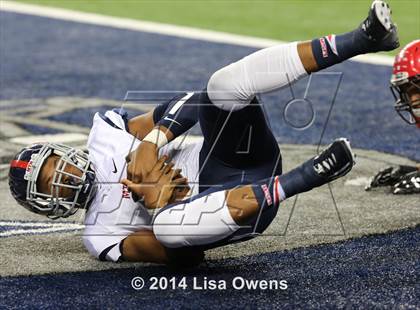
x,y
52,138
159,28
33,231
41,224
41,227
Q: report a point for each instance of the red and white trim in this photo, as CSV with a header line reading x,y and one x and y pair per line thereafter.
x,y
19,164
331,41
278,192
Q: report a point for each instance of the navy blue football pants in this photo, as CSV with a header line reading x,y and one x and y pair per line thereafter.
x,y
238,147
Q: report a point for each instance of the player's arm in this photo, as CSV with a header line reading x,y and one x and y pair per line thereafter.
x,y
173,118
166,122
141,125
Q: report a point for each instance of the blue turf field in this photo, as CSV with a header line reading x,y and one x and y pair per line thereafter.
x,y
42,58
371,272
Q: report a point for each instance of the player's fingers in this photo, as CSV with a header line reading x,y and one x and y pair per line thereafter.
x,y
161,162
180,181
182,188
176,174
130,184
127,183
168,167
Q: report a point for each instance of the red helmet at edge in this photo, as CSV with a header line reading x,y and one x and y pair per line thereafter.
x,y
405,83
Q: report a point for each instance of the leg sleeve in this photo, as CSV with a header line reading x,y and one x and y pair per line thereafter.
x,y
204,220
206,223
235,85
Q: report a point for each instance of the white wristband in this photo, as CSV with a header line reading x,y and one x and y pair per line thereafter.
x,y
157,137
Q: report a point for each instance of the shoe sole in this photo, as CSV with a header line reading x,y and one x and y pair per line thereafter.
x,y
346,169
383,14
345,143
348,148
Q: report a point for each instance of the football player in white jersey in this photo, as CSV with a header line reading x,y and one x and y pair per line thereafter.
x,y
405,86
235,185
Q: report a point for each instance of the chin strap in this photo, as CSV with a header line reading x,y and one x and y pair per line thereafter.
x,y
88,190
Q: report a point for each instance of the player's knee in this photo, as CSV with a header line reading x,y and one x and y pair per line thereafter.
x,y
203,221
220,80
169,234
242,205
222,90
172,237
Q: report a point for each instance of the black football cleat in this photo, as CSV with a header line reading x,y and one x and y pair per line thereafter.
x,y
335,161
378,29
409,184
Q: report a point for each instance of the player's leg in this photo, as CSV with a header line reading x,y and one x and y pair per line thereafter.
x,y
237,145
376,33
221,216
235,86
237,137
142,246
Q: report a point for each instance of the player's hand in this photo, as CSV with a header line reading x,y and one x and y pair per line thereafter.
x,y
141,161
181,190
409,184
158,185
389,176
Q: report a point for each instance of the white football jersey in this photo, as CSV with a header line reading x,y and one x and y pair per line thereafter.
x,y
113,215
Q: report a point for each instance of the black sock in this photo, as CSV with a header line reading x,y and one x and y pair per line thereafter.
x,y
271,191
333,49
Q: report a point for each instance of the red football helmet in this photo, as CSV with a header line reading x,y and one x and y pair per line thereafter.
x,y
405,83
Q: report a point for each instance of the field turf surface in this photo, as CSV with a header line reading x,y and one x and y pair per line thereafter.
x,y
46,63
283,20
